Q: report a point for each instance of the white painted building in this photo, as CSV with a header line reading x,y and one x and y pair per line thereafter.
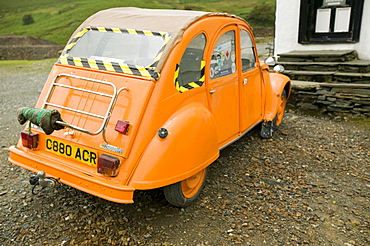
x,y
305,25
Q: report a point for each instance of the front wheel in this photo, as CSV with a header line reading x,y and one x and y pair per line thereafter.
x,y
270,127
184,193
281,110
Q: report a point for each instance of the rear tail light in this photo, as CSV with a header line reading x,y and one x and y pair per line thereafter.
x,y
29,139
108,165
122,126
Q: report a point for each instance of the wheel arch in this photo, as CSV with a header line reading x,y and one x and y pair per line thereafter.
x,y
278,84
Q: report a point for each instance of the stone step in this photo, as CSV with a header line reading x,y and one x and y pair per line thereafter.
x,y
328,76
310,66
356,66
319,56
360,78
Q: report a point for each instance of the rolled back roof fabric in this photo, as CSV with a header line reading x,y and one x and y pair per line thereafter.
x,y
162,20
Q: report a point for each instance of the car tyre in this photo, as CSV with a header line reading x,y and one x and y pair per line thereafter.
x,y
184,193
269,128
281,111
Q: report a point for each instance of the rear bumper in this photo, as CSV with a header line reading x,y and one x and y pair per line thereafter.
x,y
96,186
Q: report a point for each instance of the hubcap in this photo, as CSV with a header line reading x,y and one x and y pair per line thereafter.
x,y
281,109
191,185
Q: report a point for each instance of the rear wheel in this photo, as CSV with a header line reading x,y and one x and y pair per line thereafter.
x,y
184,193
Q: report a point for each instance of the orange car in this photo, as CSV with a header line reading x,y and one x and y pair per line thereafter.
x,y
144,98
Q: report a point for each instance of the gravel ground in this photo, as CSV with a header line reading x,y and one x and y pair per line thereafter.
x,y
310,185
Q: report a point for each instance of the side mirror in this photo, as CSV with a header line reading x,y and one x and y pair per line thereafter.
x,y
279,69
271,61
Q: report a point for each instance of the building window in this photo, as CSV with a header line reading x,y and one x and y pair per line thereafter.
x,y
330,21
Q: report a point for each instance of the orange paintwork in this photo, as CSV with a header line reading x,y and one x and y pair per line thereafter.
x,y
200,121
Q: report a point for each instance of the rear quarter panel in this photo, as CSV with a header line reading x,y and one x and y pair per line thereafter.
x,y
190,146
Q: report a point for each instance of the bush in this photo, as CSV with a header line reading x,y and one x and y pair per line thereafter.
x,y
27,20
192,7
262,15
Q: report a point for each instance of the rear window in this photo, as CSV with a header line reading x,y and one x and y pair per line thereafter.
x,y
115,49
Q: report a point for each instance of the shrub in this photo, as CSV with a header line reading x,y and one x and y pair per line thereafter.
x,y
263,15
27,20
192,7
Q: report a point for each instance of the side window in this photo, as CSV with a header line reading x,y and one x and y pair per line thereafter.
x,y
223,56
190,72
248,57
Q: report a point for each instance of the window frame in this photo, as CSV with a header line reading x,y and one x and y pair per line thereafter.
x,y
183,87
307,21
252,48
231,56
119,67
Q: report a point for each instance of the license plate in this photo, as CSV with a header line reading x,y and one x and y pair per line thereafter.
x,y
71,151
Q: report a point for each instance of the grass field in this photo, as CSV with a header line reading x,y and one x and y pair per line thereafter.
x,y
56,20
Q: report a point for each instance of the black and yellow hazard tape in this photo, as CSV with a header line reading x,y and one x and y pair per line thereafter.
x,y
109,66
118,67
193,84
159,55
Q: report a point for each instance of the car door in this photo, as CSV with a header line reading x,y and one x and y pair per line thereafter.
x,y
223,85
250,82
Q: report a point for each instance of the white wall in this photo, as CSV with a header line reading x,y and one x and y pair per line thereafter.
x,y
287,25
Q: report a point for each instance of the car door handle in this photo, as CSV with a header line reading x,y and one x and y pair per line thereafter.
x,y
245,81
212,91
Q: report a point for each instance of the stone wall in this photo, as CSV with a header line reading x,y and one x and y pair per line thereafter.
x,y
34,52
331,97
27,48
263,32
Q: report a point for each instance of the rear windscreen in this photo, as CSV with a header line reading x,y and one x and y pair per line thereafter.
x,y
136,48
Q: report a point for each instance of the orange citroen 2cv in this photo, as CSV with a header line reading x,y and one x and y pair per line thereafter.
x,y
142,98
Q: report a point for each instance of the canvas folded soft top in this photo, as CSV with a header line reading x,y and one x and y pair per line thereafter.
x,y
160,20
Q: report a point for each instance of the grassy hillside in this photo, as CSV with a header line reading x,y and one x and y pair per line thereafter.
x,y
56,20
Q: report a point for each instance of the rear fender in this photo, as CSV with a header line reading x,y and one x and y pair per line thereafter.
x,y
190,146
278,83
